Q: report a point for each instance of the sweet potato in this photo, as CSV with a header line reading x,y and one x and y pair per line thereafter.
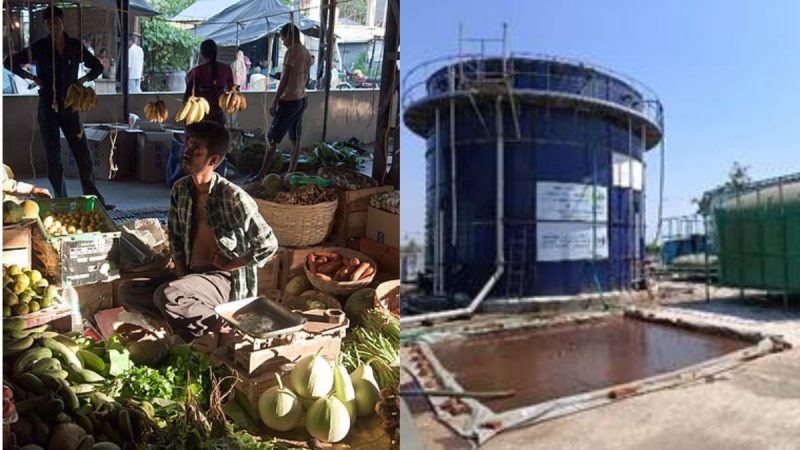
x,y
330,268
322,276
367,273
359,271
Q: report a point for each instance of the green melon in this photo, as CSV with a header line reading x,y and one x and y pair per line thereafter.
x,y
12,212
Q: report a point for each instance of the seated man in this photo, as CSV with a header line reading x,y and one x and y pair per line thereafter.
x,y
217,238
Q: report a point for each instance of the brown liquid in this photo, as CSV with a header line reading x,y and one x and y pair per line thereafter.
x,y
550,363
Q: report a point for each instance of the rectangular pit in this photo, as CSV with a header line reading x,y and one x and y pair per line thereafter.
x,y
569,359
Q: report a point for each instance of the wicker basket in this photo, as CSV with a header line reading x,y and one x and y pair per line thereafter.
x,y
299,225
341,287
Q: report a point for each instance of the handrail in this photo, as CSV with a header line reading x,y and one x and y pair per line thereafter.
x,y
416,88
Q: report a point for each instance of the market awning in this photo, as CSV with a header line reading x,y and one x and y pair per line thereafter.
x,y
202,10
254,19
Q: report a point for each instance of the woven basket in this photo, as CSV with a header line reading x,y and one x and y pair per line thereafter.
x,y
299,225
341,287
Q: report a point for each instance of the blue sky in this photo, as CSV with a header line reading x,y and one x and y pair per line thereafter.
x,y
727,73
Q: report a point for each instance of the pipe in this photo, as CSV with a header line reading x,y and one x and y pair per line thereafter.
x,y
500,221
437,254
453,195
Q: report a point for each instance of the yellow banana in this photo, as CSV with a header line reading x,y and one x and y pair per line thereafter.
x,y
194,109
206,107
243,102
182,112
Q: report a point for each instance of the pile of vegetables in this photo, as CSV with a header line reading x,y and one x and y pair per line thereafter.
x,y
331,266
279,189
248,157
73,393
56,381
330,398
348,180
387,201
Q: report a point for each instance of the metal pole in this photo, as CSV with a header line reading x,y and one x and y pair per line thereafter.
x,y
123,63
329,59
501,174
437,155
389,85
453,189
323,22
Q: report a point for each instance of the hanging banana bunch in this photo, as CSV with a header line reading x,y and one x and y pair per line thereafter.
x,y
156,111
193,110
232,101
80,99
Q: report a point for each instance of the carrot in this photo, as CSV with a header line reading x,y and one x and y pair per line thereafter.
x,y
321,260
367,273
311,258
322,276
312,267
330,268
360,271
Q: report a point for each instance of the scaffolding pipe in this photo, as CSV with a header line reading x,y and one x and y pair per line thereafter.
x,y
500,223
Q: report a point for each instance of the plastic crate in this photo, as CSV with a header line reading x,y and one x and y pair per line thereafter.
x,y
80,259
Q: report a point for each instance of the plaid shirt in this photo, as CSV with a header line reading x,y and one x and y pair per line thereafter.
x,y
238,226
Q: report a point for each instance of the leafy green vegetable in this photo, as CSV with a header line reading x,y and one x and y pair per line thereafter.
x,y
118,356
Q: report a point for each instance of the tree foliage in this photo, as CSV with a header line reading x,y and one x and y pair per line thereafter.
x,y
166,47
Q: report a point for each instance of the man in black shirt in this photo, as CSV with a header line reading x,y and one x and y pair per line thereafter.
x,y
58,58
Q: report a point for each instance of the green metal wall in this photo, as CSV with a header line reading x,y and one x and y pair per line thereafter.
x,y
759,239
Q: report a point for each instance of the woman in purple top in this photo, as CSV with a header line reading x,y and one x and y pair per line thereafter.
x,y
209,80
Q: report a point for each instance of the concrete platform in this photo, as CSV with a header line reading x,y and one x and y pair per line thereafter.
x,y
754,406
122,194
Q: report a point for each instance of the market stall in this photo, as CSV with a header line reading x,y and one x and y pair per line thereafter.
x,y
311,362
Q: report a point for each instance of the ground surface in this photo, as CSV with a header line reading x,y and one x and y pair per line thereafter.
x,y
756,406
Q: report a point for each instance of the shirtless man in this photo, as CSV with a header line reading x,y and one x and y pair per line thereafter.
x,y
217,238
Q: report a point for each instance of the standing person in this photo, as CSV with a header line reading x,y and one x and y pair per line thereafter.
x,y
290,98
239,68
217,238
135,66
103,57
58,58
209,80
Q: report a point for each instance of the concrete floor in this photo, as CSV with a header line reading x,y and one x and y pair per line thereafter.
x,y
125,195
752,407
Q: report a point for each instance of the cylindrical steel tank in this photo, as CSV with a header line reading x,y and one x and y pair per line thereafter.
x,y
568,133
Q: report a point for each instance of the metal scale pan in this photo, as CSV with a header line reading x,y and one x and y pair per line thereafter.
x,y
261,318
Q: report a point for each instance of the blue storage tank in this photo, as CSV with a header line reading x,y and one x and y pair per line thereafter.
x,y
573,137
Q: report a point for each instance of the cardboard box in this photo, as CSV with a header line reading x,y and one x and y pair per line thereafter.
x,y
387,257
383,226
351,213
17,243
269,277
100,141
95,297
152,152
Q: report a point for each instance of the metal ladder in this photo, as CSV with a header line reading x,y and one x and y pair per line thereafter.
x,y
517,259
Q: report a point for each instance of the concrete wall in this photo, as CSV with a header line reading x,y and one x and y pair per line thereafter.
x,y
351,113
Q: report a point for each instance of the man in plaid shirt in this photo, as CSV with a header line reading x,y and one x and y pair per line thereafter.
x,y
217,237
